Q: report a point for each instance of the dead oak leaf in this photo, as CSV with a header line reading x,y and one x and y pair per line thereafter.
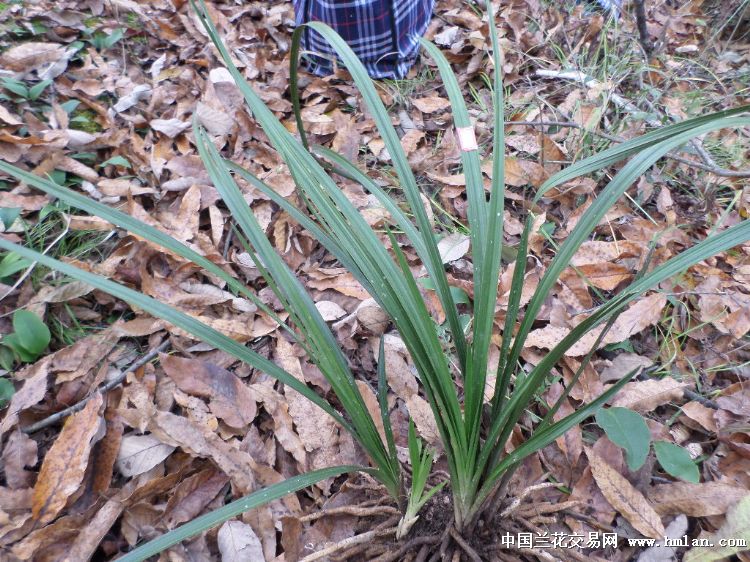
x,y
32,392
65,463
189,436
20,452
625,498
239,543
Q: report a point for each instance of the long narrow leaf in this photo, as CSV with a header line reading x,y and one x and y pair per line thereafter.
x,y
181,320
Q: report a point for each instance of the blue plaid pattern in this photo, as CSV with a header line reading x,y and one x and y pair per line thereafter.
x,y
383,33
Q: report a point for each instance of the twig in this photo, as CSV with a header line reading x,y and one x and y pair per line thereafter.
x,y
709,164
471,553
546,509
351,510
707,402
640,19
54,418
348,542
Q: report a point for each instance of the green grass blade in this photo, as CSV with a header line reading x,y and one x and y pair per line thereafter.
x,y
326,353
733,236
233,509
433,263
541,439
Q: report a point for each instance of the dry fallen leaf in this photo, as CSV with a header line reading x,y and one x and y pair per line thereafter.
x,y
431,104
736,528
639,316
20,452
645,396
65,463
695,500
230,399
453,247
625,498
239,543
141,453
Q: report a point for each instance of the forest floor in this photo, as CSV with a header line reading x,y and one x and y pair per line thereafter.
x,y
99,95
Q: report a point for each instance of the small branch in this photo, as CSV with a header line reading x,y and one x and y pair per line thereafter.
x,y
709,165
54,418
471,553
640,19
707,402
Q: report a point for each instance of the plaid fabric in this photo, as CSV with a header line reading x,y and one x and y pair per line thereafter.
x,y
383,33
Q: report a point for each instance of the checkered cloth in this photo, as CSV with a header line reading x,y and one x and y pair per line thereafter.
x,y
383,33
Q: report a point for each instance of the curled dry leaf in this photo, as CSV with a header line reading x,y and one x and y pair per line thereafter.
x,y
192,495
424,419
169,127
32,392
625,498
193,439
20,452
431,104
65,463
372,317
141,453
32,55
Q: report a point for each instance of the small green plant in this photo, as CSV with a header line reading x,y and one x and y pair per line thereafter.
x,y
452,361
27,93
29,339
629,430
102,41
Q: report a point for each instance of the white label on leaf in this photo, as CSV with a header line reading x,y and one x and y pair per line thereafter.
x,y
466,139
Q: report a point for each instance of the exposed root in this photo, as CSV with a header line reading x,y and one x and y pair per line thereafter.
x,y
347,543
471,553
545,509
416,542
444,540
518,499
437,539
